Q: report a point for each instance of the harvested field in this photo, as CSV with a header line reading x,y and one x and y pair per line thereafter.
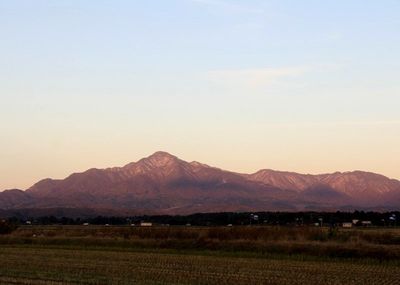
x,y
30,265
203,255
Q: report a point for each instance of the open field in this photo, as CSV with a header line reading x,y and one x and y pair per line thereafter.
x,y
190,255
36,265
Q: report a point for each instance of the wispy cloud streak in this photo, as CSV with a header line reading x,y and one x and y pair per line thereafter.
x,y
256,77
229,6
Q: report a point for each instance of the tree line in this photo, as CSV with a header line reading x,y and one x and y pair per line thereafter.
x,y
226,218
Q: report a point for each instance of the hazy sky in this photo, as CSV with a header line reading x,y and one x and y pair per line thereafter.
x,y
307,86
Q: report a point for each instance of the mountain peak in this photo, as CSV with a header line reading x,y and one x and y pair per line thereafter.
x,y
159,159
161,154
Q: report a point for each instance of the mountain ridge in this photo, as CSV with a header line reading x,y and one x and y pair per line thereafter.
x,y
163,183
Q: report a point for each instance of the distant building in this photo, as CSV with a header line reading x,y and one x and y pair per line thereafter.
x,y
144,224
347,225
366,223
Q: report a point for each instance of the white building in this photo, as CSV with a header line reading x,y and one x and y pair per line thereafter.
x,y
347,225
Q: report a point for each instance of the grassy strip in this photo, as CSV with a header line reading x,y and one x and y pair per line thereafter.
x,y
259,233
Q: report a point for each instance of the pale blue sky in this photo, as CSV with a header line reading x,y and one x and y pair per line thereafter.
x,y
307,86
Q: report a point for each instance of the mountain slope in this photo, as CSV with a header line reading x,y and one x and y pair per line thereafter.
x,y
361,188
163,183
15,198
285,180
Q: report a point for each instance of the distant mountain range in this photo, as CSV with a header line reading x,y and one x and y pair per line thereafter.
x,y
165,184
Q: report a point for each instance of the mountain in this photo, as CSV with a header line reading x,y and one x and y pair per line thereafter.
x,y
362,188
160,183
14,198
165,184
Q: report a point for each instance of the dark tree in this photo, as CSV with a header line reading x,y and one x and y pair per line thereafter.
x,y
6,227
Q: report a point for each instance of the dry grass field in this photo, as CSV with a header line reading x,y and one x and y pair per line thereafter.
x,y
122,255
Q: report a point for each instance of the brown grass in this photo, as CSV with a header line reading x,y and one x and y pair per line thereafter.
x,y
382,244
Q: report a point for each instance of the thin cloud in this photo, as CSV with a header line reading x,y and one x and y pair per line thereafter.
x,y
256,77
335,124
229,6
